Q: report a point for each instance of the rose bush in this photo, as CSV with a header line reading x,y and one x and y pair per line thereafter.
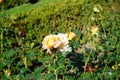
x,y
90,52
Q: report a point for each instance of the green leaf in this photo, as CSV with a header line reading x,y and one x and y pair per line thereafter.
x,y
110,59
86,75
2,64
75,44
31,55
23,70
39,70
64,54
10,53
51,68
49,76
32,45
46,58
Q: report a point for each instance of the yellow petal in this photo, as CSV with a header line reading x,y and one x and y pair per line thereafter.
x,y
71,35
95,30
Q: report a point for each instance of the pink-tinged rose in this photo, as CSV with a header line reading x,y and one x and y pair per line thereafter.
x,y
63,38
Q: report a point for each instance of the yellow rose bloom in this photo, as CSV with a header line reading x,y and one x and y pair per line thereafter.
x,y
50,41
95,30
71,35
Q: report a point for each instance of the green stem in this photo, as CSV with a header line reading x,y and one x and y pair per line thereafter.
x,y
104,30
1,40
56,76
89,55
55,70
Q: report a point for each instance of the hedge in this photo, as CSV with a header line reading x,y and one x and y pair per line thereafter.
x,y
94,57
7,4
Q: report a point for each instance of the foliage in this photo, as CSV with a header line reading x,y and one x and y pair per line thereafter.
x,y
7,4
94,57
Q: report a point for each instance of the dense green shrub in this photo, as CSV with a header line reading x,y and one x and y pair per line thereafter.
x,y
94,57
7,4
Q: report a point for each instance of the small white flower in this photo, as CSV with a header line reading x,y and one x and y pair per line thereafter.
x,y
109,73
65,49
96,9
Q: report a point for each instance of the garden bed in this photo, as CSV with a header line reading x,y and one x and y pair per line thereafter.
x,y
95,48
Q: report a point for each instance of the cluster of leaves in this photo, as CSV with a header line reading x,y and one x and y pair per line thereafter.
x,y
93,57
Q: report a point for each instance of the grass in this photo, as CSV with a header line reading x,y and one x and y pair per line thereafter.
x,y
25,7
